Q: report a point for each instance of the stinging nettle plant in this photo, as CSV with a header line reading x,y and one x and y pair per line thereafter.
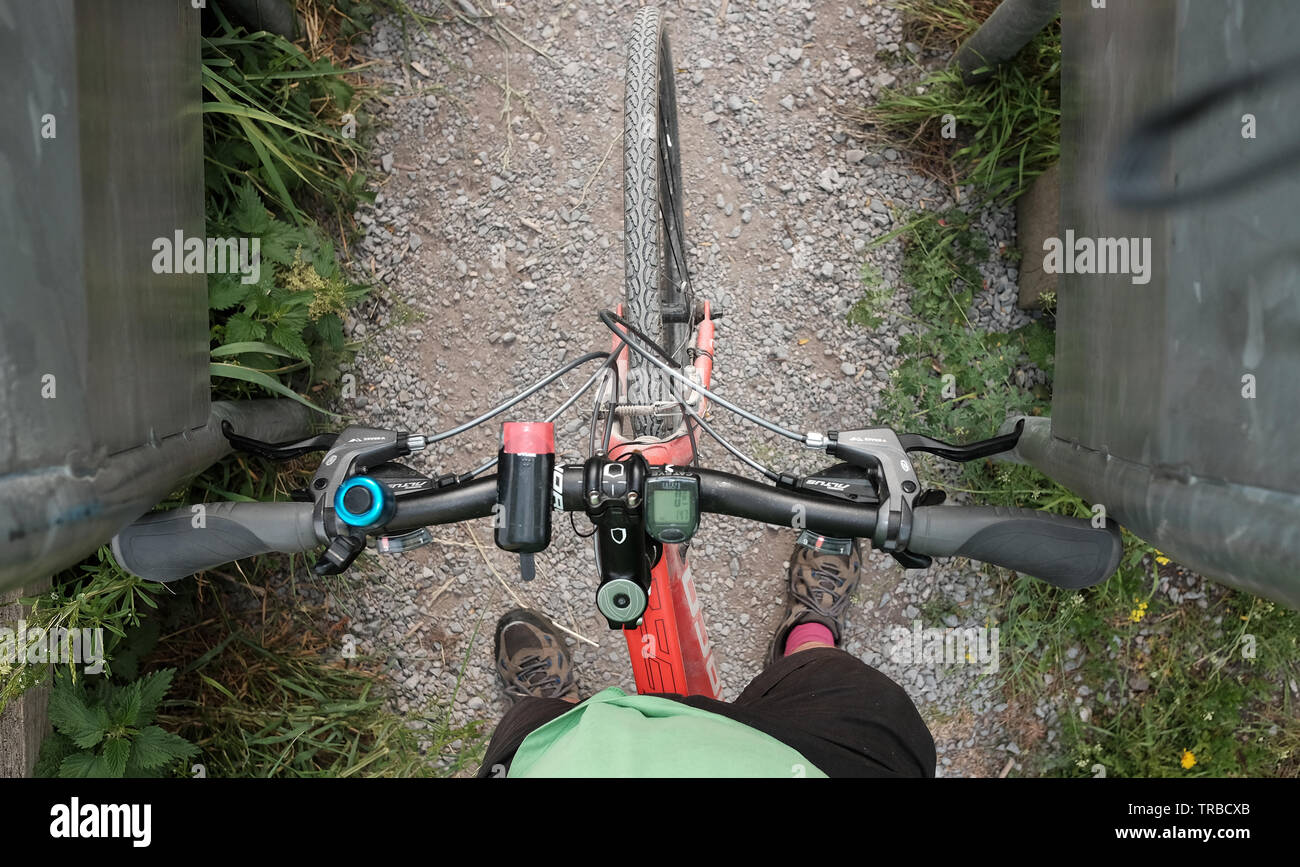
x,y
290,320
108,731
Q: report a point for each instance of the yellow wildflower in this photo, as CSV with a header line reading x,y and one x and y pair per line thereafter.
x,y
1189,758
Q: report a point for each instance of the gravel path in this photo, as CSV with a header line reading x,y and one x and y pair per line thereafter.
x,y
496,237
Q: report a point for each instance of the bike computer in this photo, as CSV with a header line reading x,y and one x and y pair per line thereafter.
x,y
672,511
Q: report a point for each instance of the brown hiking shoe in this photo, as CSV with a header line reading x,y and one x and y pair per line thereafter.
x,y
820,586
532,658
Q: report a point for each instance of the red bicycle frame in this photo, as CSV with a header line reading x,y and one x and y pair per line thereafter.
x,y
670,650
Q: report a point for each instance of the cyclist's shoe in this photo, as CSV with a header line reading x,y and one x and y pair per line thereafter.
x,y
532,658
820,587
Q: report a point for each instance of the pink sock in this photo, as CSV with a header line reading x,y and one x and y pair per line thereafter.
x,y
804,633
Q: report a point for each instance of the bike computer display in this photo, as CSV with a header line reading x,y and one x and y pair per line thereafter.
x,y
672,509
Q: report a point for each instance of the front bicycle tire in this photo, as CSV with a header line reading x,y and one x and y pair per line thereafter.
x,y
659,295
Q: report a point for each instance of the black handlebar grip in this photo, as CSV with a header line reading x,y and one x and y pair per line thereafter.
x,y
164,546
1067,552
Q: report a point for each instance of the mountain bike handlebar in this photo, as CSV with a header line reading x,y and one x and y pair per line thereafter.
x,y
1066,552
164,546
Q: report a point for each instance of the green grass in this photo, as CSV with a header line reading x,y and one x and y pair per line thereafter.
x,y
952,381
996,135
942,25
1145,686
1201,691
261,690
1231,714
267,692
275,117
870,311
283,334
284,134
941,267
95,594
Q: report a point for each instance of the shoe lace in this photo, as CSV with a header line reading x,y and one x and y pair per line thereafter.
x,y
535,674
827,578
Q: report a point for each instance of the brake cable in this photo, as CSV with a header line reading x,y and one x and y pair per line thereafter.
x,y
609,318
611,358
523,395
736,453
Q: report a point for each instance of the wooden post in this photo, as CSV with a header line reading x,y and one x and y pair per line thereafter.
x,y
1038,217
25,722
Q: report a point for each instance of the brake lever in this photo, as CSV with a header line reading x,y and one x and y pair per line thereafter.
x,y
277,451
910,559
879,450
884,454
969,452
356,450
340,553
